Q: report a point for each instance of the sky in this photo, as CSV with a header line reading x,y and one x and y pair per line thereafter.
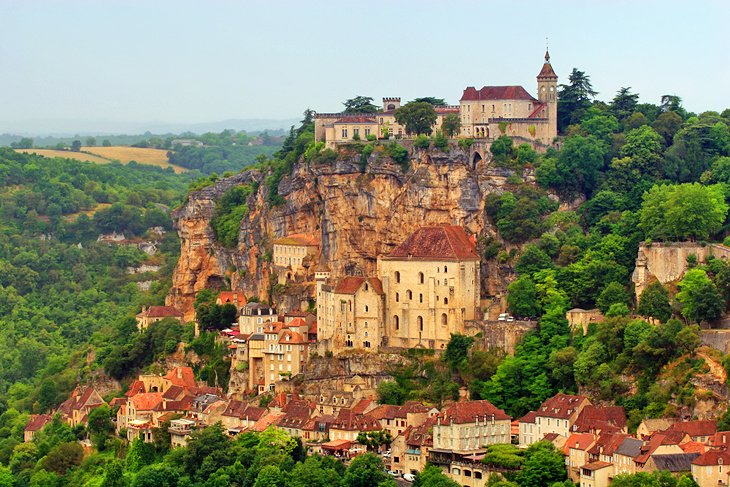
x,y
83,64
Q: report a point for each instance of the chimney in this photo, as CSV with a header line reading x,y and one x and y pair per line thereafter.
x,y
179,372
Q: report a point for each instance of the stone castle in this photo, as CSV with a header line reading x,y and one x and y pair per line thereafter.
x,y
486,113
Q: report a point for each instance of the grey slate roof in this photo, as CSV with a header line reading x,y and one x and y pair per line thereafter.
x,y
630,447
675,462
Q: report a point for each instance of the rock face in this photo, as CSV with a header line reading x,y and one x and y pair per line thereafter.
x,y
358,215
667,262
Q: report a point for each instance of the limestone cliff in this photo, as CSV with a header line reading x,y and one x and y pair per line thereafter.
x,y
358,214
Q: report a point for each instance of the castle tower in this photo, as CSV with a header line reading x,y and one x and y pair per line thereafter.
x,y
547,92
391,103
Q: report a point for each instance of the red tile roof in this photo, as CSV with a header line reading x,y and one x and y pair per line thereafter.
x,y
38,421
528,418
296,322
720,439
710,458
420,436
351,284
182,376
146,401
693,447
296,414
470,411
443,242
547,71
606,444
348,420
136,388
578,441
706,427
561,406
603,418
233,297
292,337
362,406
161,312
536,111
596,465
496,93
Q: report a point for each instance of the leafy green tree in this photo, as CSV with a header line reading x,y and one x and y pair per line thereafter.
x,y
140,454
365,471
437,102
389,392
360,104
613,293
624,103
417,117
270,476
532,260
667,124
106,143
63,457
636,120
457,351
654,302
433,476
90,142
451,125
100,426
577,167
502,148
574,98
522,298
76,145
543,466
688,340
157,475
114,475
600,124
700,299
685,211
644,147
373,440
587,362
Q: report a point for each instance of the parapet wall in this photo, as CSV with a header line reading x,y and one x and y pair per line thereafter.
x,y
504,335
667,261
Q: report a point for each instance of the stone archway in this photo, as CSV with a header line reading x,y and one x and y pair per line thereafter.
x,y
476,158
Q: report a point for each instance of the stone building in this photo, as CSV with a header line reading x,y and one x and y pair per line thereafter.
x,y
431,286
469,426
291,253
486,113
153,314
350,314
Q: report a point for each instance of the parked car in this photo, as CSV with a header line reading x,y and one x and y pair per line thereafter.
x,y
393,473
409,477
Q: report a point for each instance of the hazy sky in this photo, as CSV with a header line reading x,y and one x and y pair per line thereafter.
x,y
177,61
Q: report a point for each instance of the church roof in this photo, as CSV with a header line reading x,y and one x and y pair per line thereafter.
x,y
445,242
496,93
350,284
547,68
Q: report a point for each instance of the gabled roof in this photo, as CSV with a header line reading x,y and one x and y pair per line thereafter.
x,y
38,421
351,284
182,376
606,444
657,440
136,387
420,436
658,424
596,465
265,421
161,312
712,458
146,401
443,242
707,427
361,406
173,393
675,462
561,406
528,418
594,418
291,337
512,92
471,411
296,414
578,441
348,420
720,439
629,447
233,297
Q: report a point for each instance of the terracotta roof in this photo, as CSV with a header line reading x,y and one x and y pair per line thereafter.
x,y
351,284
274,328
547,71
312,328
173,393
579,441
710,458
446,110
296,322
362,406
444,242
606,444
596,465
242,410
136,387
146,401
707,427
657,440
595,418
296,415
420,435
693,447
266,421
536,111
161,312
389,411
37,422
469,411
118,401
292,337
528,418
561,406
182,376
721,438
348,420
496,93
231,297
296,313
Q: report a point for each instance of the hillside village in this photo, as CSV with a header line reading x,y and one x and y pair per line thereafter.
x,y
318,306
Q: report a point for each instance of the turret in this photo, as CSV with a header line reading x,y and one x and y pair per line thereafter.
x,y
547,92
390,104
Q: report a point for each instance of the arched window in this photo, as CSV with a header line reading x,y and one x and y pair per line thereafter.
x,y
444,319
409,295
420,278
446,300
420,297
366,334
396,322
397,297
366,286
420,323
446,269
397,276
366,308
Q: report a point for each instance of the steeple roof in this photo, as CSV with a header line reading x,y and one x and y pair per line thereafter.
x,y
547,69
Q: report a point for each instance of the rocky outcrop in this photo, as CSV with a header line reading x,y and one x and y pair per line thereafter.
x,y
667,261
358,215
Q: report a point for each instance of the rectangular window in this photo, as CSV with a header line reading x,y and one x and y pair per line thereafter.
x,y
367,132
356,132
344,133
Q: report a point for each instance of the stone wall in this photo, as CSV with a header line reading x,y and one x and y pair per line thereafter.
x,y
717,339
667,261
504,335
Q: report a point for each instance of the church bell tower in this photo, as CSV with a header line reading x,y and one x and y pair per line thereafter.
x,y
547,92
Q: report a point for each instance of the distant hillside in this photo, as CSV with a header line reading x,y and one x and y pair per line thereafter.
x,y
104,155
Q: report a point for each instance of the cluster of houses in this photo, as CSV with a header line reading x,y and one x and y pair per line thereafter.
x,y
593,439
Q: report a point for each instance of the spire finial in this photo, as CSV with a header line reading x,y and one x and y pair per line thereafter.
x,y
547,51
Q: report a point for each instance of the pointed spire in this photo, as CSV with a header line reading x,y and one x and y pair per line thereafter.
x,y
547,56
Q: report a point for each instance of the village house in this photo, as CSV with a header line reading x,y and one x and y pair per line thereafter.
x,y
75,410
410,449
36,423
240,416
556,415
254,316
236,298
153,314
317,429
596,474
699,430
486,113
293,253
350,315
624,456
396,419
712,468
350,423
575,450
600,419
180,430
296,416
651,425
431,286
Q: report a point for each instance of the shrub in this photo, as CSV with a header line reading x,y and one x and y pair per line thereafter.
x,y
465,144
440,141
421,142
371,137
